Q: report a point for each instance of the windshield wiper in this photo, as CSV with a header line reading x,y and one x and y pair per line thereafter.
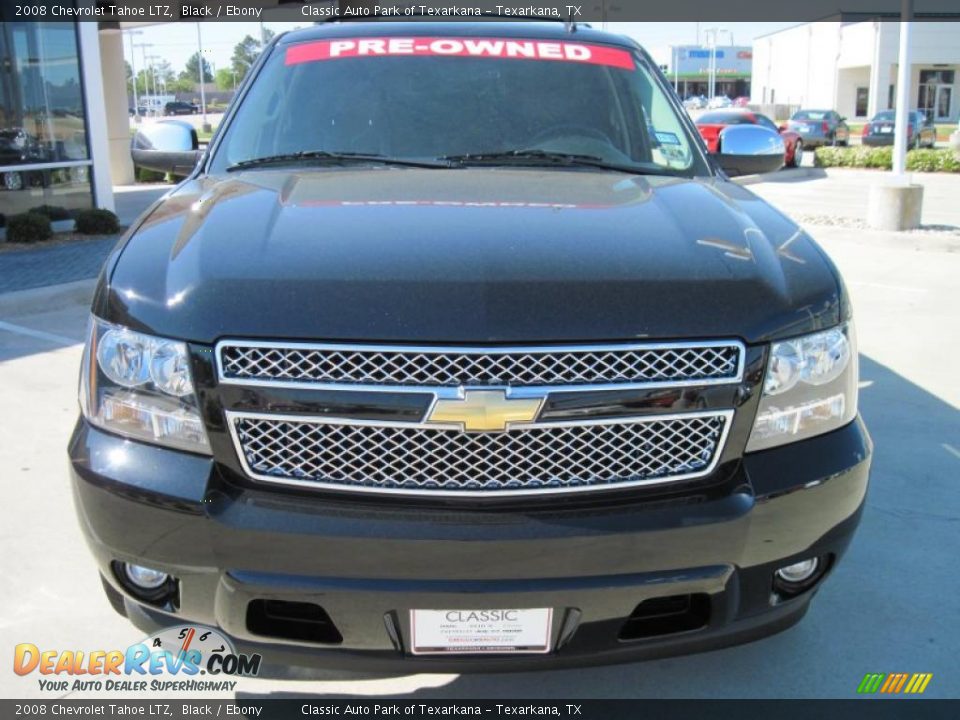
x,y
326,157
532,157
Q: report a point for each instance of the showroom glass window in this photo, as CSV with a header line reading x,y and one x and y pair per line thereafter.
x,y
44,152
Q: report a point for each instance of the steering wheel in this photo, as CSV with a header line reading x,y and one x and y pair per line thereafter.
x,y
568,129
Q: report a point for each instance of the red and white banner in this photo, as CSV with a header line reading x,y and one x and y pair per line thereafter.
x,y
460,47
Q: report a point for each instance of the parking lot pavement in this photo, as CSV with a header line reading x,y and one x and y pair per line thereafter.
x,y
844,193
891,606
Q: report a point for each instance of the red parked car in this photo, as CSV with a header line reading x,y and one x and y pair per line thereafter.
x,y
711,123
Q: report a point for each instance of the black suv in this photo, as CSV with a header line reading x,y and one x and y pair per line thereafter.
x,y
178,107
456,349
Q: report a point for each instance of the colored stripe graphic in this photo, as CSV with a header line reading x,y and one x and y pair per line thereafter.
x,y
918,683
871,682
894,683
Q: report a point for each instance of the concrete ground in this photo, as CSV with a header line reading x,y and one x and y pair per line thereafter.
x,y
891,606
818,193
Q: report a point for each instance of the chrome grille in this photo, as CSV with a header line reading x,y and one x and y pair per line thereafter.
x,y
555,457
398,366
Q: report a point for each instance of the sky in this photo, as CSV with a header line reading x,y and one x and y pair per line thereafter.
x,y
176,42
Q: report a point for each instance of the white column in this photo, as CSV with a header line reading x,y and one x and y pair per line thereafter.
x,y
116,107
96,114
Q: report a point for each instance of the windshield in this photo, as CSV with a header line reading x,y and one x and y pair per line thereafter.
x,y
891,116
727,117
427,98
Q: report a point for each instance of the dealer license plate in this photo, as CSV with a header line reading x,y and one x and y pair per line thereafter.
x,y
481,631
886,129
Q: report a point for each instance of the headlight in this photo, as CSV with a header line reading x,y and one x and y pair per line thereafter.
x,y
140,386
810,388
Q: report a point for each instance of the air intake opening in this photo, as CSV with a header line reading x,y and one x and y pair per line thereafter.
x,y
292,621
667,615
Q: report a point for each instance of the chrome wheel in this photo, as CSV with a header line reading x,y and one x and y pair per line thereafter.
x,y
12,181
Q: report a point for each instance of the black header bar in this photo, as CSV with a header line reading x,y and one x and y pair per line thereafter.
x,y
591,11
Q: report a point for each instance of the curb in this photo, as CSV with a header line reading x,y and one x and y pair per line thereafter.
x,y
50,297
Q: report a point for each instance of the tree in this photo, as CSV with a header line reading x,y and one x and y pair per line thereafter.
x,y
164,71
144,82
224,79
192,70
183,84
246,52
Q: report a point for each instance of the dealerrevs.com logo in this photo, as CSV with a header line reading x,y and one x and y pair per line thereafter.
x,y
173,660
894,683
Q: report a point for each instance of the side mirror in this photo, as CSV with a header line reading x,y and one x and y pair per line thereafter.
x,y
167,146
783,128
749,150
843,118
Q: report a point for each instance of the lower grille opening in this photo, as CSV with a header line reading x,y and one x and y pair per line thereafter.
x,y
667,615
292,621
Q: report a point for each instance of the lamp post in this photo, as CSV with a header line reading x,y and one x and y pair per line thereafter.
x,y
146,75
902,119
674,56
712,34
133,70
894,202
203,94
155,77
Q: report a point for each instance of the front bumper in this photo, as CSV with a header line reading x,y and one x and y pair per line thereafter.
x,y
367,563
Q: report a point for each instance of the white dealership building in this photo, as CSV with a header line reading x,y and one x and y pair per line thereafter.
x,y
852,67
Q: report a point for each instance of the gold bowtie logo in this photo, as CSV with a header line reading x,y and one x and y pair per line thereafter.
x,y
485,410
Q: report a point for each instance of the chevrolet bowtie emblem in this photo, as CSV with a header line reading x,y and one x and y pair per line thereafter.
x,y
485,410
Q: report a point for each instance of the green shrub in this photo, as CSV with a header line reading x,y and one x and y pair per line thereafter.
x,y
150,176
53,212
933,160
881,158
97,222
28,227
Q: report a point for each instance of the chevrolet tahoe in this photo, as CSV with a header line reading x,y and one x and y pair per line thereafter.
x,y
457,350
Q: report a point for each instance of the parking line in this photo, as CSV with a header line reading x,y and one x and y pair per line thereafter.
x,y
951,449
39,334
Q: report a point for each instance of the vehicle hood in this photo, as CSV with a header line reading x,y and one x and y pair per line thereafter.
x,y
466,255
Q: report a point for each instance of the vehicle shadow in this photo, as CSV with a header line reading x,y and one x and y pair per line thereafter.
x,y
882,610
795,175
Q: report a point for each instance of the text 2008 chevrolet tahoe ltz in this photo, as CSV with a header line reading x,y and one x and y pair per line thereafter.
x,y
456,350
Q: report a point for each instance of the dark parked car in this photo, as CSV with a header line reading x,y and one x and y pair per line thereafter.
x,y
446,366
820,127
178,107
711,124
18,147
921,132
